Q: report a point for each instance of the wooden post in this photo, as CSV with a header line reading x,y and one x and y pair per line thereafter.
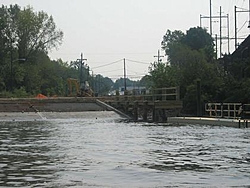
x,y
178,93
136,111
198,98
164,94
126,106
145,114
155,114
163,115
145,111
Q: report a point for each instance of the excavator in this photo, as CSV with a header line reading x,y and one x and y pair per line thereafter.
x,y
79,90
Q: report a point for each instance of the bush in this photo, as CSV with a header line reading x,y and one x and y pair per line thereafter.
x,y
17,93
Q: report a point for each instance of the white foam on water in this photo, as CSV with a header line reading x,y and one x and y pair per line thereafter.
x,y
41,115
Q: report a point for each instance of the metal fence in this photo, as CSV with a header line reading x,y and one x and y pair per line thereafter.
x,y
159,94
224,110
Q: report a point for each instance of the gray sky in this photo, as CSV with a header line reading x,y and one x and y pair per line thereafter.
x,y
109,30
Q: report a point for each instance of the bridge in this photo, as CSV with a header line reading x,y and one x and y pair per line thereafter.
x,y
156,105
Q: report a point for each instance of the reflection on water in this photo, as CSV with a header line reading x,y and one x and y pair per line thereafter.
x,y
97,149
27,153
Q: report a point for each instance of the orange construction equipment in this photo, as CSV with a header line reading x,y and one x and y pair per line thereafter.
x,y
73,82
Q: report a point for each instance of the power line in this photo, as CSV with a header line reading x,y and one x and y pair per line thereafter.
x,y
111,70
242,26
134,72
128,75
140,62
107,64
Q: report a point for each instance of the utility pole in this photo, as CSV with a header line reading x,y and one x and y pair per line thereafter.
x,y
11,70
216,45
211,29
81,68
158,56
81,64
220,34
249,14
81,73
228,35
125,83
235,27
93,81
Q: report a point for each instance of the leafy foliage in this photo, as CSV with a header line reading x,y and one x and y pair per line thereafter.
x,y
25,37
28,35
101,85
190,58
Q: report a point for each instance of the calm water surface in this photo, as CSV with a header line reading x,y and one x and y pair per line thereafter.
x,y
98,149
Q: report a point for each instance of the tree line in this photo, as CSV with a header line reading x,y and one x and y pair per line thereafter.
x,y
27,36
191,59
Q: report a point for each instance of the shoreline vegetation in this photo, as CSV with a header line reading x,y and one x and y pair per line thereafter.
x,y
27,70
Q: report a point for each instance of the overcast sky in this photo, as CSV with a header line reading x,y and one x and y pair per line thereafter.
x,y
107,31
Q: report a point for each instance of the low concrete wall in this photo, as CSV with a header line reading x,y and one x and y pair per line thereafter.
x,y
66,104
210,121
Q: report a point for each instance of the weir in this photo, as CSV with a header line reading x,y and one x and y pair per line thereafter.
x,y
160,106
156,105
108,107
59,104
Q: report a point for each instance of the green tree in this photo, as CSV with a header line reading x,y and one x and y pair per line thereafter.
x,y
190,58
170,42
27,31
24,34
198,38
163,75
120,83
101,85
146,81
176,43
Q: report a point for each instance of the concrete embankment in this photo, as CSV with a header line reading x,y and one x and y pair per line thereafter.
x,y
64,104
210,121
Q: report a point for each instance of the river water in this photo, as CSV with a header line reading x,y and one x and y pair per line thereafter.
x,y
99,149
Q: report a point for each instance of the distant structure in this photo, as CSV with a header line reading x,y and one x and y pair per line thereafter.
x,y
133,90
243,50
241,53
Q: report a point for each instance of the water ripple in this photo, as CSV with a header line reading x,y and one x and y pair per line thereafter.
x,y
109,152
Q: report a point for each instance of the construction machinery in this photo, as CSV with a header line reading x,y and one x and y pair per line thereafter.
x,y
79,90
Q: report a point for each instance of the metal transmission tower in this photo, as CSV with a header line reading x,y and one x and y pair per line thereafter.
x,y
235,24
221,37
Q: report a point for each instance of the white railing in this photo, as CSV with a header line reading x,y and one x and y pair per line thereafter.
x,y
226,110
